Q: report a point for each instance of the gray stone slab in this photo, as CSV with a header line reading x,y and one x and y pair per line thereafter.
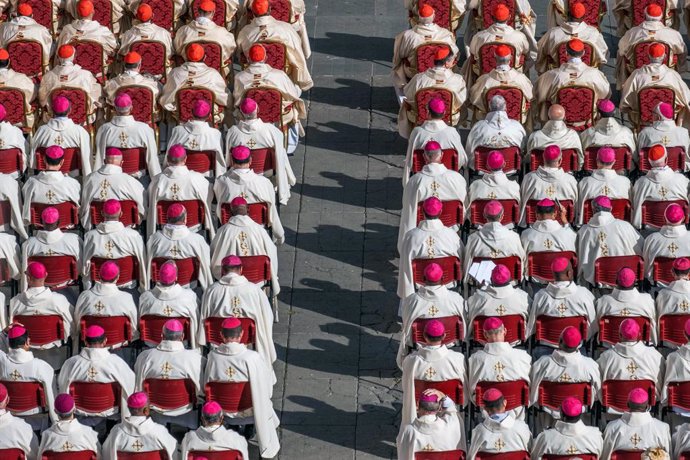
x,y
317,442
328,271
321,401
322,355
335,311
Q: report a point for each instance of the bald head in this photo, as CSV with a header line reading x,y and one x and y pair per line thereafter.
x,y
556,112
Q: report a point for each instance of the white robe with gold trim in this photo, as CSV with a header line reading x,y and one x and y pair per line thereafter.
x,y
124,132
64,132
199,136
545,182
69,433
633,361
568,439
563,299
493,240
605,182
21,365
178,242
138,434
635,431
105,299
494,437
173,301
433,130
659,184
497,301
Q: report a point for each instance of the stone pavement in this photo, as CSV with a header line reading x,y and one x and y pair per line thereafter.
x,y
338,394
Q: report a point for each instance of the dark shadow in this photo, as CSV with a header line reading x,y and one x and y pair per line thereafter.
x,y
360,47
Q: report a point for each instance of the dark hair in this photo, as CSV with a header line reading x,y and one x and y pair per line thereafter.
x,y
546,209
18,342
444,61
177,220
680,272
131,66
232,333
495,405
53,161
574,419
430,406
95,340
634,407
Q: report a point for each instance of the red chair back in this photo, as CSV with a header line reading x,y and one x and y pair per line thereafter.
x,y
622,209
150,455
62,270
263,160
514,455
487,7
684,455
662,270
452,213
232,396
169,394
102,12
626,454
424,96
12,454
487,56
452,270
531,210
516,393
639,7
118,329
165,14
606,268
442,455
213,55
151,327
13,101
671,329
68,212
568,457
653,212
134,160
609,327
679,395
649,98
72,160
548,329
513,263
196,211
552,394
152,60
201,161
11,161
186,97
43,329
214,325
623,158
129,269
276,56
452,324
94,398
675,159
614,393
25,396
425,55
511,212
257,211
187,269
515,100
569,163
218,15
449,159
129,217
442,12
79,109
90,56
511,155
563,51
215,455
452,388
539,264
256,269
514,324
270,103
26,56
578,102
43,13
71,455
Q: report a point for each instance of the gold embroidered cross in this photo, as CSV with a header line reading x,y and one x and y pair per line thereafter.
x,y
15,375
635,439
235,303
494,253
499,444
572,450
58,140
684,305
561,309
602,237
564,378
499,366
434,188
604,250
175,189
632,367
492,196
230,372
665,140
2,143
167,311
137,445
550,191
251,143
430,250
193,144
501,310
109,246
663,192
433,310
625,312
429,373
105,185
548,244
50,195
99,306
244,246
166,368
50,252
67,446
428,448
91,374
175,251
123,139
672,248
605,190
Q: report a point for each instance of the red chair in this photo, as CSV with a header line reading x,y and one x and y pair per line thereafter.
x,y
675,159
679,395
170,394
662,270
11,161
186,97
563,53
218,16
257,211
257,269
552,394
422,98
452,213
72,160
568,457
14,102
570,159
232,396
129,217
516,104
214,325
153,61
671,329
614,393
514,455
12,454
68,211
134,160
453,326
623,158
43,14
215,455
196,211
513,263
441,455
102,12
165,14
425,55
548,329
449,159
609,327
26,56
648,98
486,8
579,104
213,55
270,103
118,329
43,329
639,7
201,161
511,155
452,388
90,56
514,324
606,268
511,212
516,393
71,455
25,396
95,398
276,56
626,454
187,269
263,160
641,56
653,212
622,209
487,57
442,12
62,270
684,455
149,455
79,107
452,269
151,327
531,210
539,264
129,268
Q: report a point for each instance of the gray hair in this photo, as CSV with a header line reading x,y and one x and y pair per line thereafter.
x,y
177,336
497,103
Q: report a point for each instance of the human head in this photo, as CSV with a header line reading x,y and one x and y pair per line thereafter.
x,y
177,155
249,109
113,156
495,161
4,396
36,274
231,264
570,340
606,158
493,211
494,401
638,400
553,157
576,12
433,274
123,104
94,337
109,272
241,157
626,278
571,410
434,332
60,106
663,111
50,219
497,104
444,57
201,109
500,276
556,112
428,404
4,58
437,108
239,206
606,108
64,406
657,156
425,14
674,215
261,8
501,13
144,12
433,152
211,414
602,204
167,275
657,53
18,337
54,157
629,331
653,12
176,214
681,268
207,9
562,269
494,330
432,208
503,55
85,9
257,53
195,52
231,330
24,9
138,404
546,209
173,331
575,49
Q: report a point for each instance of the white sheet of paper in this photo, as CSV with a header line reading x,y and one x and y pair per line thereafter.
x,y
481,271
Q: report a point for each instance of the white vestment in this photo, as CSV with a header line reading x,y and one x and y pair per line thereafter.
x,y
64,132
42,301
493,186
145,31
500,77
70,75
106,183
433,130
496,131
628,303
548,52
178,242
608,131
173,301
233,362
681,440
677,370
213,438
605,182
442,431
205,30
568,439
659,184
563,299
493,240
198,136
632,361
605,236
545,182
51,243
91,30
26,28
112,240
17,434
9,254
496,437
195,74
652,76
138,434
131,78
105,299
16,80
547,236
124,132
10,193
69,436
670,241
664,132
635,431
554,132
429,240
21,365
49,187
673,299
13,138
498,301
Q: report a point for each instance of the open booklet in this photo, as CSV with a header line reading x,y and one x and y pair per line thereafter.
x,y
481,271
